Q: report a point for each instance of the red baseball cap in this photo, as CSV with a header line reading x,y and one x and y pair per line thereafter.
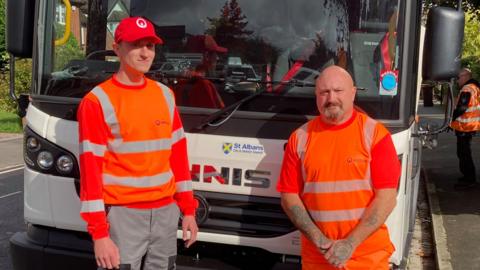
x,y
134,28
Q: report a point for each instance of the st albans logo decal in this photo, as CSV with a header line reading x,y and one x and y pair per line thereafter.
x,y
247,148
227,148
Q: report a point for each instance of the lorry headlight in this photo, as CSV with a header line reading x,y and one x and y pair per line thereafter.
x,y
46,157
33,144
64,164
45,160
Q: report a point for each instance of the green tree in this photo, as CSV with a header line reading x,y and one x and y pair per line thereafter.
x,y
3,47
23,82
231,24
472,6
471,44
66,52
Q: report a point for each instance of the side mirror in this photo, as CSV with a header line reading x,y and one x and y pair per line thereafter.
x,y
443,43
20,22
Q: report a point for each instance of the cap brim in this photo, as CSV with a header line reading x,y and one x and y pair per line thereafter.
x,y
155,39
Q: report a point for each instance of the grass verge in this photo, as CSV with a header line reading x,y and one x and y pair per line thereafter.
x,y
10,123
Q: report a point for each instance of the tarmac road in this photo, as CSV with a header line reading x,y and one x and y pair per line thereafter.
x,y
11,212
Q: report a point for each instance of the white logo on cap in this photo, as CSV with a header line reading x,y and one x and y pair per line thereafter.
x,y
141,23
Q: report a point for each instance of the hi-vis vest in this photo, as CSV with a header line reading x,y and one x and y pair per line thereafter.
x,y
136,165
470,120
337,182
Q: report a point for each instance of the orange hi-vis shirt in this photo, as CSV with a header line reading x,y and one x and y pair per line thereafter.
x,y
335,170
133,151
469,121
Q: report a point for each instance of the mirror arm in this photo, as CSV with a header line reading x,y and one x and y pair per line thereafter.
x,y
448,115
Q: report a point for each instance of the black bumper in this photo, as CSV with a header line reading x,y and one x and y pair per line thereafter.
x,y
41,249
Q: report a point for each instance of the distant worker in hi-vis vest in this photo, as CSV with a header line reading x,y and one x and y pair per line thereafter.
x,y
466,122
134,171
339,181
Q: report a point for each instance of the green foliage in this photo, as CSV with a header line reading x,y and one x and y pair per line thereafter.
x,y
230,26
10,122
3,47
471,6
66,52
23,79
471,44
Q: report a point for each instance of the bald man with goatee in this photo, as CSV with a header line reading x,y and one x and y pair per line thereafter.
x,y
339,181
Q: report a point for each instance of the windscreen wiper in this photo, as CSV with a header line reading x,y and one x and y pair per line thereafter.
x,y
232,108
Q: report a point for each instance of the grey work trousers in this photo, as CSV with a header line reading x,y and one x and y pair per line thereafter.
x,y
145,232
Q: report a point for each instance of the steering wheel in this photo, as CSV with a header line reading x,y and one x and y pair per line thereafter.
x,y
100,53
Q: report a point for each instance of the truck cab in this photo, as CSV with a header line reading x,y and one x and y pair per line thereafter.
x,y
236,149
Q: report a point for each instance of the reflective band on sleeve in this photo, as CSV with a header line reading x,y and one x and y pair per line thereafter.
x,y
368,175
468,120
140,182
368,131
97,149
336,186
169,98
108,111
184,186
177,135
92,206
141,146
302,137
473,109
336,215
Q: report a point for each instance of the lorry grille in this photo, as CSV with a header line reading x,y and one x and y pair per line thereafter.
x,y
241,215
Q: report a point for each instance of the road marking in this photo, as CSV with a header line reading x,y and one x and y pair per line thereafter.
x,y
10,194
12,168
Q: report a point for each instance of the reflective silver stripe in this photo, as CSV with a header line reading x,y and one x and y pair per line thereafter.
x,y
97,149
472,109
468,120
336,215
141,146
169,99
302,138
368,131
177,135
145,181
184,186
368,175
108,111
336,186
92,206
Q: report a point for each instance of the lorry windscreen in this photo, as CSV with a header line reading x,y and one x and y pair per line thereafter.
x,y
217,52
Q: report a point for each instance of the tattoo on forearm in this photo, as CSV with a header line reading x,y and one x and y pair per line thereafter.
x,y
343,250
372,218
304,223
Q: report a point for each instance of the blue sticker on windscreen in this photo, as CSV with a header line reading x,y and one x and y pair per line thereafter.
x,y
388,82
